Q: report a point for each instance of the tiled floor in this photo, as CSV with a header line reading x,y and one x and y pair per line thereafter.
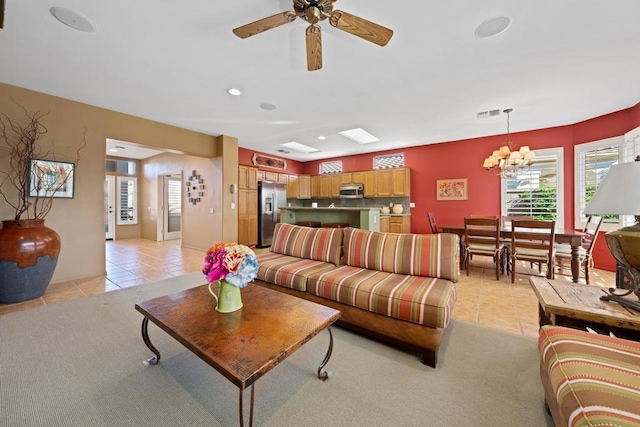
x,y
481,299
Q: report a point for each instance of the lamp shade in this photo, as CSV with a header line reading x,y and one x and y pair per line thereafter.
x,y
619,193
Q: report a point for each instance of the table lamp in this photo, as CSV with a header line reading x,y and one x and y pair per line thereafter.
x,y
619,194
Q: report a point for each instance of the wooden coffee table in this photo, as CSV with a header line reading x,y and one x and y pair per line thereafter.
x,y
243,345
578,306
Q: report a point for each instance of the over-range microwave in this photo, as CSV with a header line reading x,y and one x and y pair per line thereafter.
x,y
351,191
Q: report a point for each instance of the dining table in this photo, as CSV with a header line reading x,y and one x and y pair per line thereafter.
x,y
568,236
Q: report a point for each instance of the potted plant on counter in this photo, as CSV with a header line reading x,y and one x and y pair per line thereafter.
x,y
31,176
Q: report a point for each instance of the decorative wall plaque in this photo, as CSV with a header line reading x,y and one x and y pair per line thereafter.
x,y
195,188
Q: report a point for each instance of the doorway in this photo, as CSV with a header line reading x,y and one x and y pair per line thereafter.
x,y
171,206
109,206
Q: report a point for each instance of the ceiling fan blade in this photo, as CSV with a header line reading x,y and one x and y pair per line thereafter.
x,y
314,47
360,27
265,24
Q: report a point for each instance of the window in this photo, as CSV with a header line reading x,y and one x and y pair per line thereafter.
x,y
538,192
127,200
389,161
592,163
331,167
125,167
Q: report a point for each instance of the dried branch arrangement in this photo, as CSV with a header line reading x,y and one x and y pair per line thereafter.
x,y
21,140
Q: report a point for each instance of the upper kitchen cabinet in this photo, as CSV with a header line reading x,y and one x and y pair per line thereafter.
x,y
247,177
369,181
394,182
304,186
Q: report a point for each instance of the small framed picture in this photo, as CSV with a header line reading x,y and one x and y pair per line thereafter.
x,y
451,189
48,178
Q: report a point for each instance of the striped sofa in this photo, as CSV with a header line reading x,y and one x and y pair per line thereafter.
x,y
397,287
589,379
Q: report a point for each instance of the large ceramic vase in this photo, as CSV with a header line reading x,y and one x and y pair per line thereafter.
x,y
28,257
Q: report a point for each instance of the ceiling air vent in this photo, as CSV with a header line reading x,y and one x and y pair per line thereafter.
x,y
489,113
280,150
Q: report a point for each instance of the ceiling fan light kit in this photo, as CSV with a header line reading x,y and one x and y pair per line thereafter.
x,y
314,11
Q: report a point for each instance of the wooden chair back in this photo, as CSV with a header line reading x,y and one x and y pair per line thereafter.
x,y
591,229
533,241
432,222
482,230
482,237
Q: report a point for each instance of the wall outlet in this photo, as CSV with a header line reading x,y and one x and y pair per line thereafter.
x,y
210,210
412,205
233,205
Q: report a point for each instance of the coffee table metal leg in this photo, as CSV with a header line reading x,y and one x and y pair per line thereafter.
x,y
145,337
323,375
250,409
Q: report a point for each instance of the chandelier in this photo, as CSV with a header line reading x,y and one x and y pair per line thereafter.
x,y
507,161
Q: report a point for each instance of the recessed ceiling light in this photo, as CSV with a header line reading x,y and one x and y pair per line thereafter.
x,y
268,107
359,135
492,27
296,146
322,138
73,19
233,91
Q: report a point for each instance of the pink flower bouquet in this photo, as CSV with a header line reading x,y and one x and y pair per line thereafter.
x,y
234,263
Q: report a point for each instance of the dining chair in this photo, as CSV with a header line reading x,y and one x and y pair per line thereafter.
x,y
482,237
432,223
533,241
563,251
506,223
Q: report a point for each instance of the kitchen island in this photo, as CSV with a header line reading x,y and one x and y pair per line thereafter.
x,y
367,218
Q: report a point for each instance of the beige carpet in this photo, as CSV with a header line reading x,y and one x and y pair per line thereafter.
x,y
80,364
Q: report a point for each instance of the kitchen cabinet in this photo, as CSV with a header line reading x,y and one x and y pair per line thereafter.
x,y
247,205
260,175
325,186
400,182
283,178
247,217
304,186
336,182
400,224
271,176
384,224
357,177
292,187
315,186
369,181
383,178
247,177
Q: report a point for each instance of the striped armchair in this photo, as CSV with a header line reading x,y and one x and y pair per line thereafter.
x,y
590,379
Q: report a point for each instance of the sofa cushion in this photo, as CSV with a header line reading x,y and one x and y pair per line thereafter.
x,y
432,255
594,378
320,244
288,271
423,300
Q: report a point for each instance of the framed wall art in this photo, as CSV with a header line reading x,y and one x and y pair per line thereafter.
x,y
48,178
451,189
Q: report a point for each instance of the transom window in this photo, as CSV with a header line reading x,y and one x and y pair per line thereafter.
x,y
389,161
331,167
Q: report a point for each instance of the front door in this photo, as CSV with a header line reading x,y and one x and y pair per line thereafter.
x,y
109,206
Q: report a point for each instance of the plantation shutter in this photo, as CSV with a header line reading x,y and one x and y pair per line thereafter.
x,y
593,161
127,200
537,192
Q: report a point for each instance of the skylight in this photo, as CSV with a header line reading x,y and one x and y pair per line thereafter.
x,y
359,135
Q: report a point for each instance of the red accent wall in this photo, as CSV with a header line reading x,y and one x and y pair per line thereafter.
x,y
463,159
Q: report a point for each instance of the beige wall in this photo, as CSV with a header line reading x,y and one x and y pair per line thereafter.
x,y
202,222
80,221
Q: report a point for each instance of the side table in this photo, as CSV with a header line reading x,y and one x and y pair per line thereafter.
x,y
578,306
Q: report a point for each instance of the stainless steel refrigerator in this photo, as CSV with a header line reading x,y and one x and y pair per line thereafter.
x,y
271,197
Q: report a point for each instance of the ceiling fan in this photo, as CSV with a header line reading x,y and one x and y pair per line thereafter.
x,y
314,11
